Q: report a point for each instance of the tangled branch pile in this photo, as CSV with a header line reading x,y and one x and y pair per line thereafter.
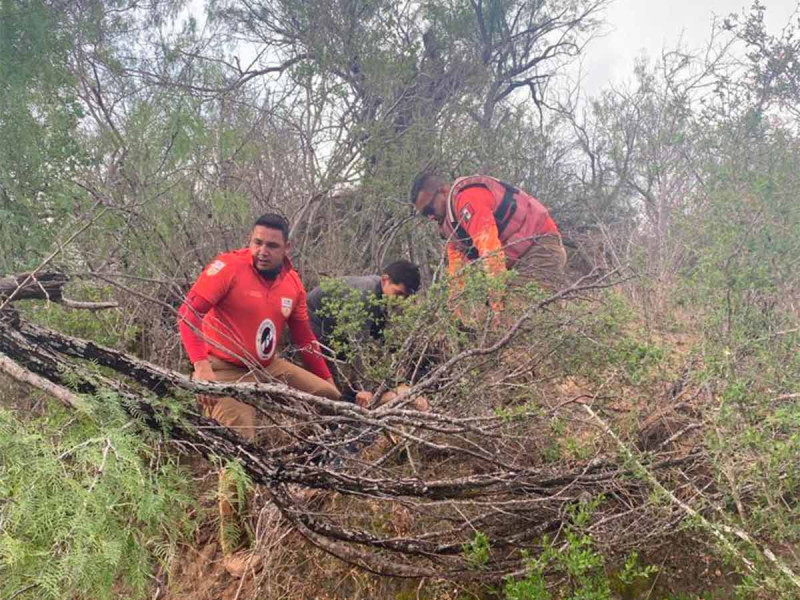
x,y
407,491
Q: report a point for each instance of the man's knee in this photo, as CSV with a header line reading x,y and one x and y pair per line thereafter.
x,y
311,384
327,390
302,380
235,415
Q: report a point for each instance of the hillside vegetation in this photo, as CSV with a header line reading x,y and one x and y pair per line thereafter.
x,y
633,435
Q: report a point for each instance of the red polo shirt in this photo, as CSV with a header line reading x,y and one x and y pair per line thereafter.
x,y
243,314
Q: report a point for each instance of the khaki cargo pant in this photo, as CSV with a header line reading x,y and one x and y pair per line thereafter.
x,y
241,418
543,263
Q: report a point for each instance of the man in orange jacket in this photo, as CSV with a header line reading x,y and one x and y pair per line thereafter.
x,y
483,218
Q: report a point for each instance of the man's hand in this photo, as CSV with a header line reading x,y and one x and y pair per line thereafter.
x,y
204,372
363,398
421,404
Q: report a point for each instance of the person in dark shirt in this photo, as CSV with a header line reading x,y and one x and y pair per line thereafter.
x,y
325,302
354,308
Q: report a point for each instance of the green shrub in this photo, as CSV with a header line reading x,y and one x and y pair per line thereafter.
x,y
89,507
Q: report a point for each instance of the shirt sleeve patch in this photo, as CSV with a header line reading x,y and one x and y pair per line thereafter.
x,y
215,268
466,213
286,307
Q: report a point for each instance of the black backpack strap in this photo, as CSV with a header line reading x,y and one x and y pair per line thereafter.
x,y
502,216
471,252
506,209
461,235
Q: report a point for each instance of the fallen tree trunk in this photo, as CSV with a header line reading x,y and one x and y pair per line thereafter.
x,y
510,500
25,286
38,349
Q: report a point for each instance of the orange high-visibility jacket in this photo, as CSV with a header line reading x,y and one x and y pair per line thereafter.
x,y
489,218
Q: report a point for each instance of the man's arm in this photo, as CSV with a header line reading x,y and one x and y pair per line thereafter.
x,y
455,260
304,340
190,323
314,308
211,286
473,208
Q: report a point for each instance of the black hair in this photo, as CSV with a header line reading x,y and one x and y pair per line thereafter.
x,y
424,180
274,221
405,272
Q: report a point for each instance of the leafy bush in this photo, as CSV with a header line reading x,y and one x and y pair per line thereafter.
x,y
89,507
572,561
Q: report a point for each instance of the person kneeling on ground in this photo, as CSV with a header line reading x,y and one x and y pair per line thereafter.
x,y
230,325
399,279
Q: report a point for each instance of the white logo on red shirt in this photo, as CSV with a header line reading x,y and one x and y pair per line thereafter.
x,y
286,307
466,214
265,339
215,268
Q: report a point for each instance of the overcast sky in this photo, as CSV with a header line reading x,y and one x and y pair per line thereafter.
x,y
636,26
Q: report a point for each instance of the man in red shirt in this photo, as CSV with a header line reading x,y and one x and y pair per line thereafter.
x,y
231,322
232,319
485,219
